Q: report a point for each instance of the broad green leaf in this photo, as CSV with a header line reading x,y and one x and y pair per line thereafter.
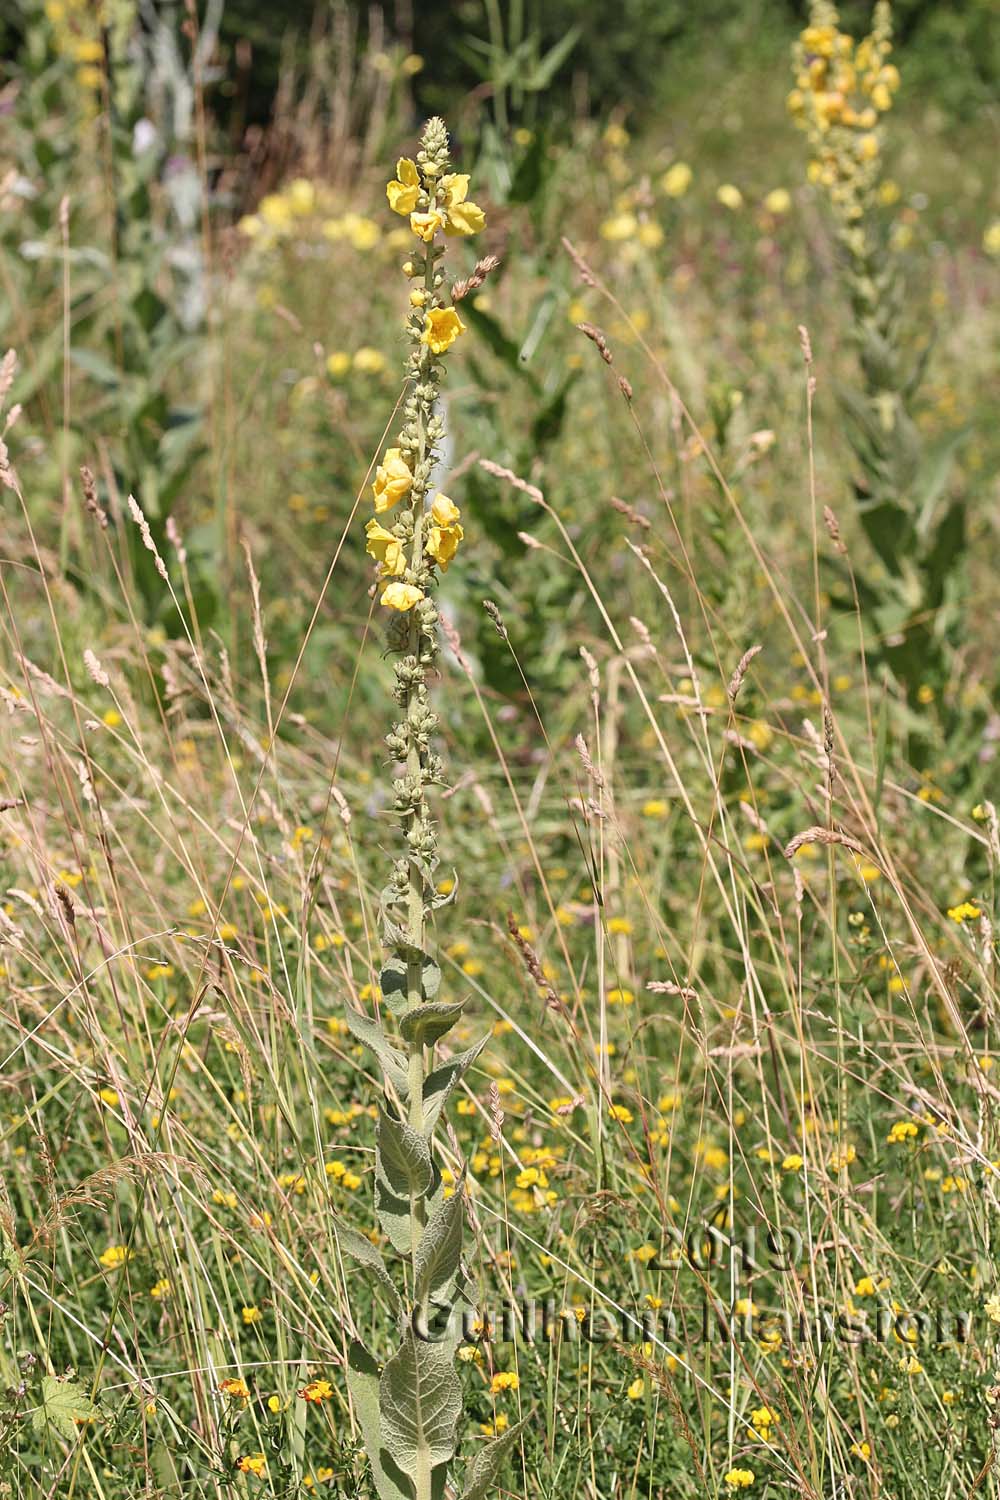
x,y
428,1023
371,1035
404,1156
420,1400
65,1406
439,1253
486,1465
363,1384
394,981
439,1084
365,1253
403,1171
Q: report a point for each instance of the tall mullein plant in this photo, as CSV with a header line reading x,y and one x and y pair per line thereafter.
x,y
410,1409
843,91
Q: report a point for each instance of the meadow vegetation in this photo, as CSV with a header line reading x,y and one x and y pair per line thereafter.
x,y
691,955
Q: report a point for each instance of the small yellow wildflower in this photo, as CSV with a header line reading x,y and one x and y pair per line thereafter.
x,y
504,1380
252,1463
738,1479
793,1162
966,911
401,596
235,1388
778,201
637,1389
316,1392
862,1451
729,196
902,1130
114,1257
251,1315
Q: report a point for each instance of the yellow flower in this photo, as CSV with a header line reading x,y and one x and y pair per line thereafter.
x,y
401,596
109,1097
792,1163
392,480
729,196
114,1257
251,1315
317,1391
504,1380
655,808
903,1130
302,197
442,326
778,201
460,217
862,1451
404,190
444,512
636,1390
738,1479
965,912
252,1463
991,238
992,1308
235,1388
676,179
442,544
426,226
385,548
160,1289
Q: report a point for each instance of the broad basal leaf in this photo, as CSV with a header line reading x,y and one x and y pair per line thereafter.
x,y
420,1401
363,1384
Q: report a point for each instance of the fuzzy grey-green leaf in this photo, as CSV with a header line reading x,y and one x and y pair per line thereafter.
x,y
438,1256
371,1035
428,1023
440,1083
363,1251
420,1400
363,1384
486,1465
404,1156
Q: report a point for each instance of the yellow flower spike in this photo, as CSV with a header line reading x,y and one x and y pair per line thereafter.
x,y
393,480
401,596
442,326
404,190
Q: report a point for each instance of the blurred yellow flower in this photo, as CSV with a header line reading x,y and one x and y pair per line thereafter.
x,y
729,196
677,179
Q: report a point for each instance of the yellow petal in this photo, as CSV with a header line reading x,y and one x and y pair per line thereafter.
x,y
465,218
406,171
456,185
402,197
